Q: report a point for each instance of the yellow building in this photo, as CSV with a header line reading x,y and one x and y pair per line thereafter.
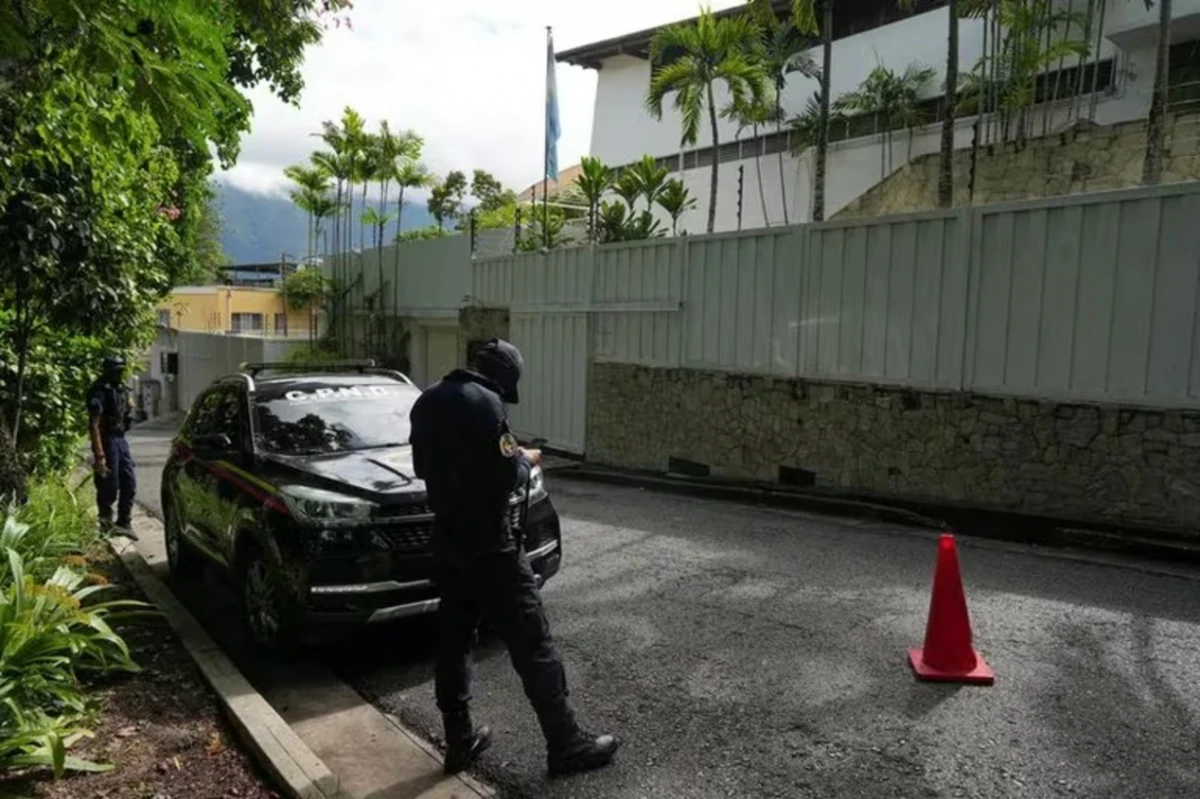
x,y
231,309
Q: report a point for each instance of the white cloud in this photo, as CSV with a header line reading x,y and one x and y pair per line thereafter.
x,y
468,75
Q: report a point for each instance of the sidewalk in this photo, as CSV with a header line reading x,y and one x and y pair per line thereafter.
x,y
312,732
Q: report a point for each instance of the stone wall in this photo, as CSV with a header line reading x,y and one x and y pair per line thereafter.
x,y
1083,462
479,323
1087,158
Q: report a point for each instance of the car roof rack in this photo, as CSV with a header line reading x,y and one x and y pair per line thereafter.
x,y
365,366
310,366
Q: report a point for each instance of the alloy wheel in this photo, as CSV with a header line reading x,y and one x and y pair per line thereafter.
x,y
261,602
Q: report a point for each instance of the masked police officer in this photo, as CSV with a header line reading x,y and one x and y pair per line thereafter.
x,y
110,414
471,463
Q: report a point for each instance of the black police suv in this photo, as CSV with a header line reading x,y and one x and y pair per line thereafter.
x,y
300,485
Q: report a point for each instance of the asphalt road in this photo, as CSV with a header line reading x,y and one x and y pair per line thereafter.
x,y
748,652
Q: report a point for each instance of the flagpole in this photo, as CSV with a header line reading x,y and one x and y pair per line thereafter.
x,y
546,160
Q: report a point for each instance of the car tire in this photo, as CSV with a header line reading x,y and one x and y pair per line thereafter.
x,y
183,561
264,607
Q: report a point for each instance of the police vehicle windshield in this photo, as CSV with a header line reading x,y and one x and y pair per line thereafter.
x,y
317,417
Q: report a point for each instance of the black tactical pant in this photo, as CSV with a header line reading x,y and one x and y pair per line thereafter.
x,y
119,485
501,588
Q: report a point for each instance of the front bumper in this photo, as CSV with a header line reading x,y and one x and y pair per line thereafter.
x,y
545,561
415,593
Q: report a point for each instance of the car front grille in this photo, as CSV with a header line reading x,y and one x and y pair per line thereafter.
x,y
409,528
402,512
413,537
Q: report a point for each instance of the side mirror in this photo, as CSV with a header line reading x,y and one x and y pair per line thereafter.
x,y
214,441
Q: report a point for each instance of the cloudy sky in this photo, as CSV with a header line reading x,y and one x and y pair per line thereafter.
x,y
468,75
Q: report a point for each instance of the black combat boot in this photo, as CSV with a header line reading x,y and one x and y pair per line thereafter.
x,y
464,743
568,748
581,752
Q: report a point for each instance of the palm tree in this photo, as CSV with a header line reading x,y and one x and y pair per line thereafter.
x,y
593,180
353,137
394,154
649,177
1156,125
748,114
628,187
410,174
675,200
804,18
335,162
709,50
784,52
312,187
324,208
377,222
945,184
894,101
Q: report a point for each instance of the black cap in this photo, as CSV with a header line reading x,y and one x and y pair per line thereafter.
x,y
113,362
501,362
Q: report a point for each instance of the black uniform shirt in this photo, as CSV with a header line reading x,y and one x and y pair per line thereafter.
x,y
470,462
112,404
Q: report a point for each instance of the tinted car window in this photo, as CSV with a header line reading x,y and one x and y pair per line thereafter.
x,y
312,418
205,417
219,410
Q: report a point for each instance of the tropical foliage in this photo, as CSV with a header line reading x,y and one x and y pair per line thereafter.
x,y
703,53
893,100
53,631
109,113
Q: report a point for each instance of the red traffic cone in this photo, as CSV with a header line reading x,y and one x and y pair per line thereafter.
x,y
947,655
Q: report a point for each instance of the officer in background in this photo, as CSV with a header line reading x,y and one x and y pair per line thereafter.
x,y
471,463
110,414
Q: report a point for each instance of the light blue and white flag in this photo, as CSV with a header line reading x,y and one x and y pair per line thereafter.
x,y
552,126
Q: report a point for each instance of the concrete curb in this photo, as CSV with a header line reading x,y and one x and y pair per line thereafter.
x,y
995,525
431,750
290,762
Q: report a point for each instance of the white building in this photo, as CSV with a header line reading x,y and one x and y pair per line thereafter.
x,y
866,33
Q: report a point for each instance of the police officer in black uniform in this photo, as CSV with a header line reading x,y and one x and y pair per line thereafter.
x,y
110,414
471,463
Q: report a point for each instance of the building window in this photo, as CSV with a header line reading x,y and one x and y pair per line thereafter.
x,y
281,324
164,317
246,323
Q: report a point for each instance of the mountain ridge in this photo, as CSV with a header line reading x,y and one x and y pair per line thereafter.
x,y
262,228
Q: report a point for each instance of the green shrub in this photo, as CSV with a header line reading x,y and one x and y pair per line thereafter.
x,y
54,414
322,352
51,633
55,523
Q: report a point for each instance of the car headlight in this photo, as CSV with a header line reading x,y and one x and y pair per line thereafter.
x,y
537,484
325,507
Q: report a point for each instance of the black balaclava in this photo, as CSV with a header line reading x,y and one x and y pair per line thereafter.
x,y
501,362
114,369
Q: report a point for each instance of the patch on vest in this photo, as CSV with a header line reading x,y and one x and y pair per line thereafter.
x,y
508,445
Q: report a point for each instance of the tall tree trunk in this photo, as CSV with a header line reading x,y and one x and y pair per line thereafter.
x,y
993,124
778,130
1092,101
399,221
1156,127
945,185
883,155
818,212
1059,68
362,224
24,334
716,164
1077,82
762,191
